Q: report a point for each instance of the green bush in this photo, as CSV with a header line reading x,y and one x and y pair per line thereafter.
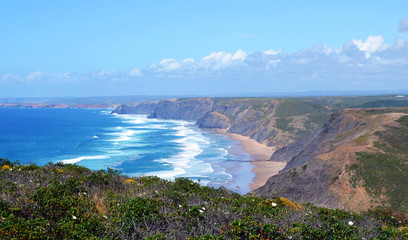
x,y
59,201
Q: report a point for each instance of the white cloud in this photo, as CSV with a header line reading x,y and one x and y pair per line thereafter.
x,y
370,62
165,61
271,52
167,65
135,72
221,60
188,60
371,45
403,25
9,77
172,66
34,75
239,55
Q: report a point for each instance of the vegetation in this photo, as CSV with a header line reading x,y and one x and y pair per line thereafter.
x,y
384,103
60,201
377,111
284,124
385,173
290,108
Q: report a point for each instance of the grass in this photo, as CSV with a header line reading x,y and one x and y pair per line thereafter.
x,y
377,111
386,173
362,139
59,201
290,108
319,118
250,101
384,103
284,124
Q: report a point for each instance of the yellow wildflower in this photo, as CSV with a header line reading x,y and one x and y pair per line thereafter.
x,y
6,167
129,180
60,170
289,204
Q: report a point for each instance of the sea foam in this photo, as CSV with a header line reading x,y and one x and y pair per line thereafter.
x,y
78,159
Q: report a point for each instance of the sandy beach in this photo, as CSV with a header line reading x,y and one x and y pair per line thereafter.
x,y
260,154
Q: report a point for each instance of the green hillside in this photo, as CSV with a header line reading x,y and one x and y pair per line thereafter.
x,y
385,172
71,202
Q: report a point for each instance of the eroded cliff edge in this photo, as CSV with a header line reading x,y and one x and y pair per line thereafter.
x,y
357,161
269,121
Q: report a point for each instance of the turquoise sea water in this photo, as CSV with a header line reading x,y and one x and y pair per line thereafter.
x,y
133,144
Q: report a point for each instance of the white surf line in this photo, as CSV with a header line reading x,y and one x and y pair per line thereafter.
x,y
78,159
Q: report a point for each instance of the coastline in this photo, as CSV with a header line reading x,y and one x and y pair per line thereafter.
x,y
260,155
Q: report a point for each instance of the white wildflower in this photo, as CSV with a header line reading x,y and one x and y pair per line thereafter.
x,y
105,216
85,193
274,204
180,206
350,223
73,217
201,211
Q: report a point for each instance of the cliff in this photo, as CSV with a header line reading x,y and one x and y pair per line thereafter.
x,y
268,121
357,161
137,108
353,159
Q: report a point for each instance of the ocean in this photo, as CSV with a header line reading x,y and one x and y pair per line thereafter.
x,y
132,144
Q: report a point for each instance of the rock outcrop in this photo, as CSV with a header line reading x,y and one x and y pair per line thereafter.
x,y
214,120
138,108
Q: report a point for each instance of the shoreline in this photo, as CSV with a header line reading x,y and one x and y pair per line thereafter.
x,y
260,155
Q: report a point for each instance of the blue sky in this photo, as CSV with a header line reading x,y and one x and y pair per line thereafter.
x,y
91,48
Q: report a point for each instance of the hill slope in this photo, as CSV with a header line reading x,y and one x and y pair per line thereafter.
x,y
358,160
70,202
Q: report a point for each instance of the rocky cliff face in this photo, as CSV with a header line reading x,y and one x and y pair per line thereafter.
x,y
183,109
257,118
340,165
145,108
303,151
214,120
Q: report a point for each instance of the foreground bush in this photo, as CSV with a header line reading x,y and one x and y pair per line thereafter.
x,y
60,201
